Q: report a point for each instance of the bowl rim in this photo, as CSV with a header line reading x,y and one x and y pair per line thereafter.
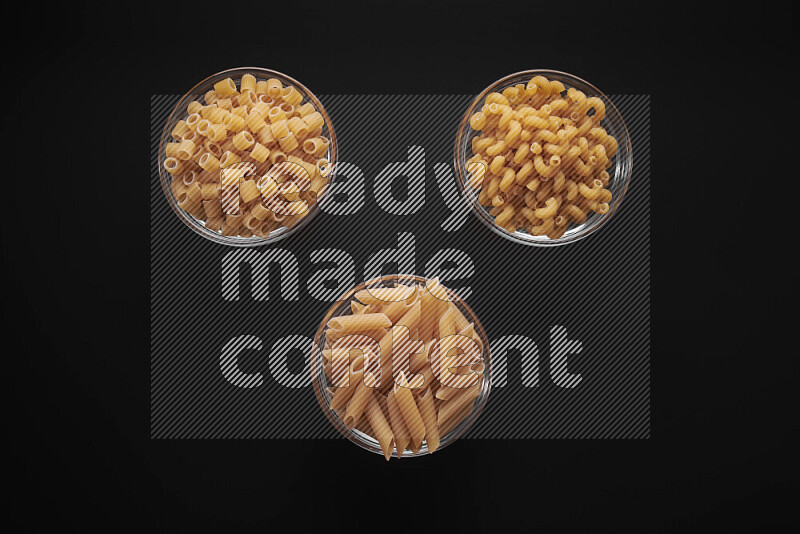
x,y
354,435
479,210
245,242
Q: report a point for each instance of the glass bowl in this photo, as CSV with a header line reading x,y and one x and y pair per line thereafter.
x,y
179,112
620,170
320,381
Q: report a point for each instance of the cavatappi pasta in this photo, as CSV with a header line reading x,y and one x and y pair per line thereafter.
x,y
248,159
405,366
540,159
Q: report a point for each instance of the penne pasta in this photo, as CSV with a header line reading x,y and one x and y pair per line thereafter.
x,y
380,427
429,419
410,411
417,378
399,429
356,323
361,395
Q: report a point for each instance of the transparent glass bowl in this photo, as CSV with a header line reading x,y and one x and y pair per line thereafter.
x,y
620,170
179,112
320,381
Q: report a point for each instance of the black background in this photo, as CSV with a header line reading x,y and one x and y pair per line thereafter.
x,y
75,255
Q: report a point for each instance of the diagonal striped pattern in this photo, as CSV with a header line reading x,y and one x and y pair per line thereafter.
x,y
209,333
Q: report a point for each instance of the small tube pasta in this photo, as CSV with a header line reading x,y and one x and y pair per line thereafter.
x,y
312,146
248,191
212,207
173,166
259,153
234,122
274,87
184,150
291,96
276,114
298,127
208,162
216,132
243,140
264,123
248,83
255,121
225,88
314,121
279,129
181,127
288,143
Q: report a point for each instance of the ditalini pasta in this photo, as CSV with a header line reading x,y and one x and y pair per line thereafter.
x,y
540,158
404,366
261,149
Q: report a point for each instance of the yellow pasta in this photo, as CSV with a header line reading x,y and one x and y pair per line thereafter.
x,y
217,115
259,153
209,162
247,99
216,132
248,83
305,109
173,166
181,127
274,87
535,138
314,121
225,88
248,191
298,127
234,122
171,150
194,108
256,122
279,129
243,140
288,142
291,96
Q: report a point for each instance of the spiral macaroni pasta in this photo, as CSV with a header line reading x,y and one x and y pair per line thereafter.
x,y
540,157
